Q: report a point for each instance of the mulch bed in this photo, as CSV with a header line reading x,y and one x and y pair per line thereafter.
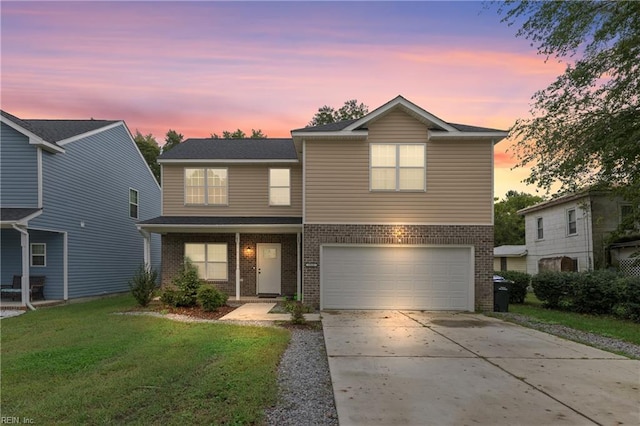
x,y
194,312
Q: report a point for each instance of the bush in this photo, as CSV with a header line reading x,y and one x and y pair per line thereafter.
x,y
628,296
594,292
210,299
186,285
143,284
552,288
517,290
297,310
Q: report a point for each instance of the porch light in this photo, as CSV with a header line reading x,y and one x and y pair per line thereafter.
x,y
248,251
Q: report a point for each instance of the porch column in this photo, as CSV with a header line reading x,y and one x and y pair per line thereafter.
x,y
24,243
237,266
65,266
146,248
298,270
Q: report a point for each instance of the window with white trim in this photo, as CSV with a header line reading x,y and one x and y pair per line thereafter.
x,y
210,259
38,254
572,226
133,203
539,228
397,167
206,186
279,187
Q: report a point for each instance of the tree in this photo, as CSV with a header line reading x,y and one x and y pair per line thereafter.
x,y
509,225
584,128
239,134
350,110
171,140
150,150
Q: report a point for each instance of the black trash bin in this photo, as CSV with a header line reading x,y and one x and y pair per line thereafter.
x,y
500,295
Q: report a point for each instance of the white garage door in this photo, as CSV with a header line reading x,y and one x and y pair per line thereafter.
x,y
374,277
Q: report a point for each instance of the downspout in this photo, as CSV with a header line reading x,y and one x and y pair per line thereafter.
x,y
237,266
147,247
24,242
299,272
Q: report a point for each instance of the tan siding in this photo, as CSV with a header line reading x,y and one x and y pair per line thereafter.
x,y
248,193
459,184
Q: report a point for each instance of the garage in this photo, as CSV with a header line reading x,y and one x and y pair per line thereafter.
x,y
397,277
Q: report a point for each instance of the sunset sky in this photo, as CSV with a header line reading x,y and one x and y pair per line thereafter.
x,y
204,67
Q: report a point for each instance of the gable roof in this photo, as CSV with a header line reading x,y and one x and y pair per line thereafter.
x,y
52,134
438,128
230,150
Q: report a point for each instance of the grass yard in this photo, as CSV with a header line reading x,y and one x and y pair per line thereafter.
x,y
598,324
81,364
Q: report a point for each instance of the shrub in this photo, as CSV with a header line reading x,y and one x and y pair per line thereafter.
x,y
186,284
210,299
297,310
143,284
594,292
552,288
628,296
517,290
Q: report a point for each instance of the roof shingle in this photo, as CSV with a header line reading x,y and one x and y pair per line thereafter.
x,y
233,149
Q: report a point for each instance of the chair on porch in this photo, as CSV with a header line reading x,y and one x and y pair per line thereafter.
x,y
14,290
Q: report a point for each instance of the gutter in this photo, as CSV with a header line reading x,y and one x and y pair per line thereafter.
x,y
25,267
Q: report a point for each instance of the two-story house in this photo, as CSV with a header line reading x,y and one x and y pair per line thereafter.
x,y
392,210
572,232
71,193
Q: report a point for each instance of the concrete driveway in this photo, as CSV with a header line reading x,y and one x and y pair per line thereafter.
x,y
426,368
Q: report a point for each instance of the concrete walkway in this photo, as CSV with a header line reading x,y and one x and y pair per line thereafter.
x,y
417,368
260,312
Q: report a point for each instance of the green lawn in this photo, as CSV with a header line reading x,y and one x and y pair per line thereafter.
x,y
598,324
81,364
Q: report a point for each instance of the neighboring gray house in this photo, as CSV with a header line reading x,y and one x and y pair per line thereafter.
x,y
72,192
572,232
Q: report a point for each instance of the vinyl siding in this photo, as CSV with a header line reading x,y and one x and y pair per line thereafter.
x,y
89,184
18,170
458,179
248,189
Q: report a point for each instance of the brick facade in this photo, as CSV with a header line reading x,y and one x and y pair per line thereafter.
x,y
478,236
173,258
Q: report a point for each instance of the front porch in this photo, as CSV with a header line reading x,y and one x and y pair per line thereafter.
x,y
247,258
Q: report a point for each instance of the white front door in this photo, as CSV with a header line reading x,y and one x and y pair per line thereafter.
x,y
269,265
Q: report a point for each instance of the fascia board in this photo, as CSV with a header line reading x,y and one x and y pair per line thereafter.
x,y
342,134
33,138
90,133
223,161
408,105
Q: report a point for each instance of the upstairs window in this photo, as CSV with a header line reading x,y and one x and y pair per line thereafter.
x,y
572,228
210,259
539,228
133,203
38,254
279,187
397,167
206,186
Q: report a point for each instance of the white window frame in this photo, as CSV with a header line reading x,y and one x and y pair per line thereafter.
x,y
137,203
206,186
43,255
288,187
539,228
207,261
569,222
398,168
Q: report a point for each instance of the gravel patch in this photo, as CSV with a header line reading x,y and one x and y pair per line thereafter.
x,y
306,393
595,340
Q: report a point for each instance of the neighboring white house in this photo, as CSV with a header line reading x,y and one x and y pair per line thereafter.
x,y
573,231
510,258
